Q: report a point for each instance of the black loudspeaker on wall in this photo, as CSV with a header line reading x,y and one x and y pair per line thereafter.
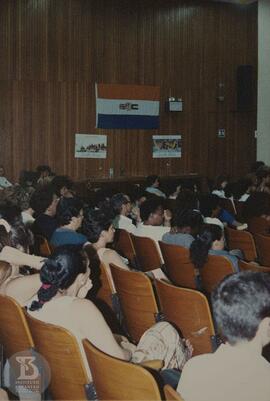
x,y
244,79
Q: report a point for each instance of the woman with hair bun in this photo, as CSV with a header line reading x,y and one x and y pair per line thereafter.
x,y
60,300
210,241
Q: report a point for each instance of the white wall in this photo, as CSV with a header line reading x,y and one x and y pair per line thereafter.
x,y
263,118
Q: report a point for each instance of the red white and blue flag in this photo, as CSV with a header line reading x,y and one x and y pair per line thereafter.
x,y
127,106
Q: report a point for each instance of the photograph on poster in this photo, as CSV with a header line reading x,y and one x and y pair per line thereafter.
x,y
91,146
166,146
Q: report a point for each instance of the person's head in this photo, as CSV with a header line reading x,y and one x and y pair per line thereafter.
x,y
17,196
121,204
187,199
2,171
97,226
263,175
152,181
256,165
244,186
62,185
257,205
44,200
210,237
221,182
241,307
69,211
140,196
28,178
152,211
66,271
210,205
12,230
44,171
187,221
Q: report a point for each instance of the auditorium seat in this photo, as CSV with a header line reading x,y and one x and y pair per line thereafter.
x,y
214,270
147,253
242,240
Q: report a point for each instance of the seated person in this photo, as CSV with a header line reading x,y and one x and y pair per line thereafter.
x,y
4,183
69,215
63,186
16,195
236,370
44,175
44,202
210,240
60,300
220,185
185,226
263,179
152,186
121,206
153,217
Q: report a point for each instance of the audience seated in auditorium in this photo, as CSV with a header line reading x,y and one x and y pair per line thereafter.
x,y
257,205
245,186
121,206
152,186
45,175
28,181
237,370
220,185
44,202
69,216
138,197
187,199
17,196
210,240
60,300
185,226
63,186
4,183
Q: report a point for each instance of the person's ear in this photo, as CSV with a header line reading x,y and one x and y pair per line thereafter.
x,y
264,331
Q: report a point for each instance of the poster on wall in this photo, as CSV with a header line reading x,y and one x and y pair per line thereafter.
x,y
167,146
90,146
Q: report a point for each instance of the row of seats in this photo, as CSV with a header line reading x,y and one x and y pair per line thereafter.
x,y
113,379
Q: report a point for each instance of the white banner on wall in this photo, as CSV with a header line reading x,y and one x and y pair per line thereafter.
x,y
167,146
90,146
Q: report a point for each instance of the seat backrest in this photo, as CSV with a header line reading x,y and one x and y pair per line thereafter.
x,y
147,253
171,394
105,293
15,335
115,379
258,225
242,240
61,350
253,267
42,246
179,267
263,248
214,270
189,311
124,245
137,299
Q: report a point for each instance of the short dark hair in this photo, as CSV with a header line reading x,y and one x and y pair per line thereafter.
x,y
61,181
187,218
151,179
240,302
150,206
68,208
117,201
94,222
41,199
208,203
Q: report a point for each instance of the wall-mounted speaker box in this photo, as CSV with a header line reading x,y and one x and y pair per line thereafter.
x,y
244,87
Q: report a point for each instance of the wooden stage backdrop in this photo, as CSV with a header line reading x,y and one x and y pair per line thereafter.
x,y
53,51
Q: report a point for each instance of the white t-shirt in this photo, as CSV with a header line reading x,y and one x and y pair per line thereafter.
x,y
231,373
125,223
4,183
154,232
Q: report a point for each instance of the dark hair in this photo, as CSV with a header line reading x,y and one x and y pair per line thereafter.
x,y
219,180
257,205
187,218
68,208
59,273
261,173
209,203
40,169
187,199
19,235
16,195
242,186
202,244
150,206
94,222
41,199
150,180
240,302
61,181
117,201
254,167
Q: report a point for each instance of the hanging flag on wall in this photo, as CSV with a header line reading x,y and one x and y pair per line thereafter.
x,y
127,106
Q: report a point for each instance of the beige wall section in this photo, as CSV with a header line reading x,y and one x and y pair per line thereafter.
x,y
263,122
